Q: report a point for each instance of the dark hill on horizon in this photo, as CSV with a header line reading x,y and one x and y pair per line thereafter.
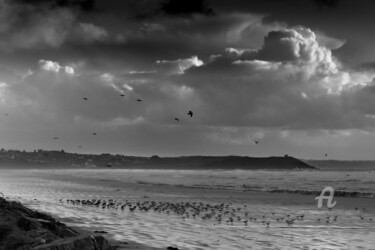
x,y
61,159
229,162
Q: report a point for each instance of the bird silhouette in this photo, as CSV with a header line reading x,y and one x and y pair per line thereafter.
x,y
190,113
132,208
176,119
94,133
122,95
139,100
85,98
326,155
6,114
55,138
256,142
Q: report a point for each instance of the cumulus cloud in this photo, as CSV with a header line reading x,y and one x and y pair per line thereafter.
x,y
55,67
291,81
178,66
331,43
49,65
303,88
298,45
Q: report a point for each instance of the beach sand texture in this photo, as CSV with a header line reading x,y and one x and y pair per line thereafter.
x,y
204,209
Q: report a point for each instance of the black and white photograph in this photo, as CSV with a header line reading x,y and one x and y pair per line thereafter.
x,y
187,124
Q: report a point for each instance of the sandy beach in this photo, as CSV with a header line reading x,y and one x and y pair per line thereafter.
x,y
130,208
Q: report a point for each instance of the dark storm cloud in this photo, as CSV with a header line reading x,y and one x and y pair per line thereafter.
x,y
85,5
186,7
326,3
137,45
150,9
43,24
28,26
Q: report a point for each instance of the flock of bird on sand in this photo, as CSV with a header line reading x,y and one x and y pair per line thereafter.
x,y
218,214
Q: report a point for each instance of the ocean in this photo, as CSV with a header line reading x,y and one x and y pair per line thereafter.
x,y
258,209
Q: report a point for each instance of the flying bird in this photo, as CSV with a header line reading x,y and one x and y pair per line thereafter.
x,y
85,98
139,100
176,119
326,155
94,133
190,113
122,95
55,138
6,114
256,142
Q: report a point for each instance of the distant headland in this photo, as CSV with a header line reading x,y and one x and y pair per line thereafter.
x,y
62,159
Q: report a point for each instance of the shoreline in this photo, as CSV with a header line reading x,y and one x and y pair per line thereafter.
x,y
55,190
28,229
303,204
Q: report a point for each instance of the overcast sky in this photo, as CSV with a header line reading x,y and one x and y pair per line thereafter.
x,y
297,76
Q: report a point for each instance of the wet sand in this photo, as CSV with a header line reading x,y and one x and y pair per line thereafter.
x,y
180,192
159,227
